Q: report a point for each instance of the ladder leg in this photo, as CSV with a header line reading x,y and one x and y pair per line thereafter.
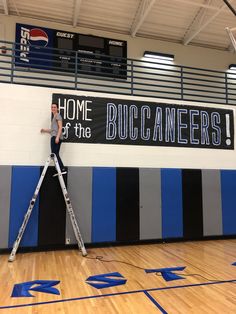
x,y
16,244
22,229
69,207
76,228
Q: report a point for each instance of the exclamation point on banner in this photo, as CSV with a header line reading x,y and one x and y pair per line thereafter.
x,y
228,141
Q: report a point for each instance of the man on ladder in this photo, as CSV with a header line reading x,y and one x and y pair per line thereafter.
x,y
56,135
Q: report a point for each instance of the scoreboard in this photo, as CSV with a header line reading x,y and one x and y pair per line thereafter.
x,y
45,48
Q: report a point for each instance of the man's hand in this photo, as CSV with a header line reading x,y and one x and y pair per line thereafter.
x,y
45,131
56,140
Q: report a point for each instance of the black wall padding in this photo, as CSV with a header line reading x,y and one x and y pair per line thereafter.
x,y
192,203
52,211
127,204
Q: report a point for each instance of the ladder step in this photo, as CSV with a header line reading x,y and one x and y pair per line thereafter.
x,y
32,203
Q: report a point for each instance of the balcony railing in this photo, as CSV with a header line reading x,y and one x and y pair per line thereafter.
x,y
78,70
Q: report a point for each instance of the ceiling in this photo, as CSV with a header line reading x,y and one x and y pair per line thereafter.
x,y
190,22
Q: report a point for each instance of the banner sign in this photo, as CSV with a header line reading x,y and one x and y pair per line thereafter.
x,y
131,122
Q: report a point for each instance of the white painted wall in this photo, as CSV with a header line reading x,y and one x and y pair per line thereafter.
x,y
184,55
24,110
2,31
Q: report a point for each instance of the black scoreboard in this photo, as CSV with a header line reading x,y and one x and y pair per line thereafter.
x,y
46,48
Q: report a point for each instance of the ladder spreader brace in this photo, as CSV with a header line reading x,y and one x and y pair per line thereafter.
x,y
70,210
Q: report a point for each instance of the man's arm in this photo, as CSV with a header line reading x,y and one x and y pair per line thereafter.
x,y
45,131
59,122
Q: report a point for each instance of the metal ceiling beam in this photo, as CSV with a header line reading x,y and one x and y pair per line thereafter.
x,y
231,47
197,31
230,7
200,5
5,6
76,12
196,22
142,12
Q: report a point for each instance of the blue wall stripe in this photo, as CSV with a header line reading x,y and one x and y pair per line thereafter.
x,y
228,196
104,205
24,181
172,203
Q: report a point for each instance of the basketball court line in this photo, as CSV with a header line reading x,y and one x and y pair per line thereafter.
x,y
145,291
154,301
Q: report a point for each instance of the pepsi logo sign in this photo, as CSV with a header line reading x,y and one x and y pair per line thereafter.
x,y
33,37
38,37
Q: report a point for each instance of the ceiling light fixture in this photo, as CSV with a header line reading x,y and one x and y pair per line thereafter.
x,y
158,55
232,67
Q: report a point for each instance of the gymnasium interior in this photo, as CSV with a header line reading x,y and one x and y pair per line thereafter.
x,y
143,217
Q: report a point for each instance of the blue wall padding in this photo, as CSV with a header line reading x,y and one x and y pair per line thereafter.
x,y
172,204
23,184
104,205
228,196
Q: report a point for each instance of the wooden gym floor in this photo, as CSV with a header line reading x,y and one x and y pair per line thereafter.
x,y
210,286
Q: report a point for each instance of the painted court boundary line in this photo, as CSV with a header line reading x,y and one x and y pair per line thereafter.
x,y
145,291
154,301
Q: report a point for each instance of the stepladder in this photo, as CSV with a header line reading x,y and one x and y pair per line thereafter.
x,y
75,226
